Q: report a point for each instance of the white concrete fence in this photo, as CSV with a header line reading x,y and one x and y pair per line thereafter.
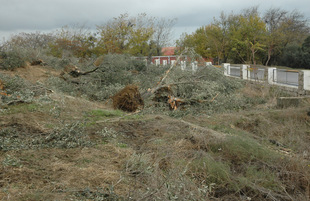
x,y
292,80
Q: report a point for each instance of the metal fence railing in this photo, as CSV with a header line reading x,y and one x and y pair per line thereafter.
x,y
235,71
292,80
288,77
256,73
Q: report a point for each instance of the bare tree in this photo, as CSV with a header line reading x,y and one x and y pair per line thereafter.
x,y
295,27
34,40
273,19
162,34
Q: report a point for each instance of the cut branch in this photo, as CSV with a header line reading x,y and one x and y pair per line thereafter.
x,y
167,72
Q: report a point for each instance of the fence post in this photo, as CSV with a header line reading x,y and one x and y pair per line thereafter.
x,y
272,75
226,69
244,72
183,65
249,72
301,82
194,66
208,63
265,74
165,62
157,62
173,62
145,60
306,80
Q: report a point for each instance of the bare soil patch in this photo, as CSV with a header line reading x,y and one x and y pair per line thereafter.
x,y
36,73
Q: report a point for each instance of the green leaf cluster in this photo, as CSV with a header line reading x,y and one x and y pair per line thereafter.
x,y
250,37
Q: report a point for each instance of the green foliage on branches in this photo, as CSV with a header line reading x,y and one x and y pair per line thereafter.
x,y
249,37
66,137
22,48
297,56
11,60
135,35
126,34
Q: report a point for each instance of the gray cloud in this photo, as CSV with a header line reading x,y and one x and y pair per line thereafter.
x,y
38,15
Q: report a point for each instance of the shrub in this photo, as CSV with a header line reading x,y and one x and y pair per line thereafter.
x,y
139,164
241,149
114,69
67,136
17,89
94,91
139,65
11,60
211,171
23,47
59,84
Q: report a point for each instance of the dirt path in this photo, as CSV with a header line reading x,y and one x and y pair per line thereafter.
x,y
33,73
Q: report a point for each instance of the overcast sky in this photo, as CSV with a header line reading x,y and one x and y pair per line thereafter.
x,y
47,15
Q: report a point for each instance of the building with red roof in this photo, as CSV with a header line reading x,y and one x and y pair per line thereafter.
x,y
168,51
168,56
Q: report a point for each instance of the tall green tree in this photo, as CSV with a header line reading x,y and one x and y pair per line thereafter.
x,y
114,35
306,53
215,41
222,33
185,41
283,28
201,43
248,35
133,35
76,40
141,35
252,29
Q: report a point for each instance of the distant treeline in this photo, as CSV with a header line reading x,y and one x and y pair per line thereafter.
x,y
139,35
276,37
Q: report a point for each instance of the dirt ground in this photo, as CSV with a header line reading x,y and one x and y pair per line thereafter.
x,y
111,155
36,73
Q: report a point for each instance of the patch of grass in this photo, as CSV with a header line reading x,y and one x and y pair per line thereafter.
x,y
84,162
11,161
139,164
51,126
212,172
122,145
98,194
262,177
67,136
106,134
134,117
241,149
38,195
23,108
106,113
278,126
96,115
